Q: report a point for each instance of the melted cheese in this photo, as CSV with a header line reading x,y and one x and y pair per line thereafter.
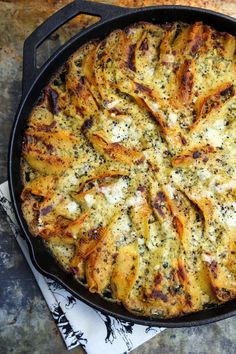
x,y
204,174
120,132
115,193
225,186
89,200
207,258
173,117
113,104
72,207
136,200
227,214
215,135
155,107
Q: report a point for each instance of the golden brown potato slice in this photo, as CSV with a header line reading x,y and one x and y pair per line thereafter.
x,y
41,186
116,151
50,152
200,153
125,271
100,263
218,97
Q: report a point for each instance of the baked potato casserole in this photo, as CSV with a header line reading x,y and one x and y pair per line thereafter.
x,y
128,167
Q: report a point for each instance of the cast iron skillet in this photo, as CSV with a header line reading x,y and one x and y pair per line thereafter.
x,y
34,80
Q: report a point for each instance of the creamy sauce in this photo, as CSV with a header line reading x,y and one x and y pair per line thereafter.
x,y
115,193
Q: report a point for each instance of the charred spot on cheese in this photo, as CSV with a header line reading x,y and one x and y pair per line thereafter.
x,y
196,154
128,167
142,88
159,203
46,210
47,128
158,279
94,234
213,268
79,88
53,100
181,272
144,45
189,300
178,226
156,294
141,188
87,125
186,81
130,57
183,139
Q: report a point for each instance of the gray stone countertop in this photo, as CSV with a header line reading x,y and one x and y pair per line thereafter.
x,y
26,325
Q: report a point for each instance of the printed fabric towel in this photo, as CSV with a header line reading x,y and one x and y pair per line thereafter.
x,y
78,323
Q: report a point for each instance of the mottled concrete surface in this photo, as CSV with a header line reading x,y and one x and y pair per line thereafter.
x,y
26,325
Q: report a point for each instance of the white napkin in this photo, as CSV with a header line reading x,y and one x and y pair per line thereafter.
x,y
79,324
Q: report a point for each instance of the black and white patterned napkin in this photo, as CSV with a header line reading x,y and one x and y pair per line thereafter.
x,y
78,323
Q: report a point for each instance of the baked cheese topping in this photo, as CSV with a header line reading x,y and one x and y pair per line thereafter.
x,y
129,167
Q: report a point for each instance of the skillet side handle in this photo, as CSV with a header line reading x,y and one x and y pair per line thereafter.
x,y
105,12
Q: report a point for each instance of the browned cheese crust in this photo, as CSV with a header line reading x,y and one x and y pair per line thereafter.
x,y
129,168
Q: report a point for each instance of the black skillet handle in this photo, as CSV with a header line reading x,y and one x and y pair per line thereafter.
x,y
105,12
